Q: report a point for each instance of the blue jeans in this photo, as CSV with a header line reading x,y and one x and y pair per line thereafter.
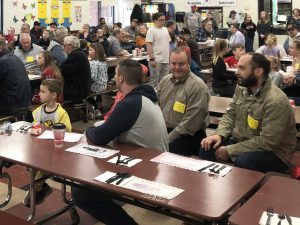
x,y
101,207
261,161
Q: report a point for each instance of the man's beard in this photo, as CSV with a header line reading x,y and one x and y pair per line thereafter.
x,y
250,81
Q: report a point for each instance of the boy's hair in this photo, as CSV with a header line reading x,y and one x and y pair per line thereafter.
x,y
54,86
155,16
236,46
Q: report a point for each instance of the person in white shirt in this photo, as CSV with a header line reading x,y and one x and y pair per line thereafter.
x,y
157,41
237,36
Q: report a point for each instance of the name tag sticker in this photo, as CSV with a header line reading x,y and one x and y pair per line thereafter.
x,y
29,59
179,107
252,123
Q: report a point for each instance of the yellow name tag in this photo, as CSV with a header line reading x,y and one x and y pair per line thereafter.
x,y
297,66
252,123
179,107
29,59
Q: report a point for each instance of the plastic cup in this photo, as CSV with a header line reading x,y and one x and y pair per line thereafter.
x,y
134,52
59,134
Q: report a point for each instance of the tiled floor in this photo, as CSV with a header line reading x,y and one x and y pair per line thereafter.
x,y
20,179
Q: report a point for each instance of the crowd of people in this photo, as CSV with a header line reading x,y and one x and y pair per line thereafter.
x,y
257,132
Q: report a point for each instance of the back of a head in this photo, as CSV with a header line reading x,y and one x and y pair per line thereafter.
x,y
185,31
260,61
60,33
72,40
132,71
269,41
274,62
3,44
170,23
219,46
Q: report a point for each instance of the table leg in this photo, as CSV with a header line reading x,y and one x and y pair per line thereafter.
x,y
32,173
9,185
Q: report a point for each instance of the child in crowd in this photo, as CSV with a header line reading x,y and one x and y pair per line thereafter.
x,y
275,74
98,74
44,41
84,46
223,83
47,64
270,49
127,44
140,40
238,50
275,44
49,113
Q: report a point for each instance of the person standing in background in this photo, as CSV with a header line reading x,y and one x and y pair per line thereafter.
x,y
158,48
263,27
192,20
248,28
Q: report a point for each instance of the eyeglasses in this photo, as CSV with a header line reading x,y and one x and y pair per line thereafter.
x,y
162,20
290,29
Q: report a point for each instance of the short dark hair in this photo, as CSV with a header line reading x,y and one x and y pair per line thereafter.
x,y
236,25
236,46
260,61
54,85
155,16
170,23
132,71
185,30
3,44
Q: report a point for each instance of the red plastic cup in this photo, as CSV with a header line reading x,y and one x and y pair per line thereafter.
x,y
59,134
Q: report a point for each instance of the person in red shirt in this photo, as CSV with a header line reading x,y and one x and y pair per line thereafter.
x,y
238,50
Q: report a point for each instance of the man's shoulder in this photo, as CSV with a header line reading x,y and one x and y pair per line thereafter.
x,y
197,82
37,47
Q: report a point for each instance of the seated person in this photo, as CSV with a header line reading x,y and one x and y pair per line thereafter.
x,y
129,123
115,48
127,44
238,50
223,83
258,131
270,49
183,99
206,33
84,32
15,88
76,71
140,40
44,42
47,114
211,18
293,31
275,44
275,74
28,52
236,35
132,29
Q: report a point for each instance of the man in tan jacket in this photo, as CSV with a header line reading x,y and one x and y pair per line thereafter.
x,y
183,99
258,131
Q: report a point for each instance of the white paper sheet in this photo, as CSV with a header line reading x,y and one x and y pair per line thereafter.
x,y
129,164
183,162
69,136
275,219
17,125
144,186
94,151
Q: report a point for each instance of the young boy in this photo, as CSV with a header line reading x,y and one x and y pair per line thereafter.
x,y
49,113
238,50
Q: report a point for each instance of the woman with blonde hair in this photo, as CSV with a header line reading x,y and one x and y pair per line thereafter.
x,y
280,47
270,49
223,83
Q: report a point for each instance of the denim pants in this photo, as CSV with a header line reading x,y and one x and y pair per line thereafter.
x,y
101,207
261,161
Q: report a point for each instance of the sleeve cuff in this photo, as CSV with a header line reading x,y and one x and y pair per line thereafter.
x,y
173,136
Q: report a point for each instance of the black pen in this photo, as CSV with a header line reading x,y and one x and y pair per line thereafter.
x,y
204,168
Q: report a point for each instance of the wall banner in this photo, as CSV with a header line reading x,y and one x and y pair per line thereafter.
x,y
210,3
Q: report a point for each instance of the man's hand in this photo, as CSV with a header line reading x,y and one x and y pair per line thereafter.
x,y
153,64
206,143
222,153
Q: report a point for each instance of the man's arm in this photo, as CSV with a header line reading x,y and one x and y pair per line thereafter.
x,y
121,120
195,113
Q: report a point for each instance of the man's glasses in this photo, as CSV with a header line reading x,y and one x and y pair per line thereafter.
x,y
162,20
290,29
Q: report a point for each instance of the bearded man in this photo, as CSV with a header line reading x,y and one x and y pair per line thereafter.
x,y
258,131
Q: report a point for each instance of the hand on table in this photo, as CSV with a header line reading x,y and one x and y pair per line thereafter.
x,y
214,140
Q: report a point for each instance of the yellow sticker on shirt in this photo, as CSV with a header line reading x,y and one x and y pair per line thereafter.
x,y
297,66
29,59
179,107
252,123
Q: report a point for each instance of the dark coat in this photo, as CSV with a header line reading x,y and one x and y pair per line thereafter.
x,y
15,90
77,76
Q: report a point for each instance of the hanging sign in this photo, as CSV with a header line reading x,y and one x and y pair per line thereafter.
x,y
219,3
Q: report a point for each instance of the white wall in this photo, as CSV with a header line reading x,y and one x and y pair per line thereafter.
x,y
31,12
